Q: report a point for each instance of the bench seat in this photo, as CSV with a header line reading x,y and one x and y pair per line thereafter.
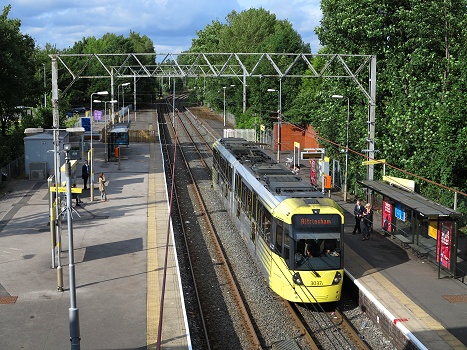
x,y
420,251
405,242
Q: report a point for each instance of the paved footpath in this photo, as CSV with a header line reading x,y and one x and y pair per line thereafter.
x,y
110,262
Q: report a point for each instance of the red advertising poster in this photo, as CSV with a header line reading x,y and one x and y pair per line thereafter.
x,y
443,248
386,217
313,179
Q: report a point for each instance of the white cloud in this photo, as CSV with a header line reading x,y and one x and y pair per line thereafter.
x,y
169,24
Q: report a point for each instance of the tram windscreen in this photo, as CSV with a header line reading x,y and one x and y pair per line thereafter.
x,y
318,242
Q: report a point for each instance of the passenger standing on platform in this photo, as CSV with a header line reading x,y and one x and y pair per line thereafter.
x,y
358,213
102,187
367,222
85,174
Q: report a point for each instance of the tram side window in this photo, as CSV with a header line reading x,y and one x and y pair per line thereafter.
x,y
229,174
238,186
286,254
244,196
279,237
249,201
254,207
265,223
267,227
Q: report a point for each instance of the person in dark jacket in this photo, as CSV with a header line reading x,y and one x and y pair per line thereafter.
x,y
85,174
358,213
367,222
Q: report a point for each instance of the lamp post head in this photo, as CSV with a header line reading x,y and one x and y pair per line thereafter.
x,y
125,84
270,90
96,101
337,96
102,93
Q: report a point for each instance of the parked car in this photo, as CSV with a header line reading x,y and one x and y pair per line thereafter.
x,y
76,110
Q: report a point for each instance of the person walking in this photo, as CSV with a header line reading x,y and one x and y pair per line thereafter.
x,y
358,213
367,222
85,174
102,187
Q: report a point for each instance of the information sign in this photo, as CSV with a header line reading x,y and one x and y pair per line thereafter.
x,y
400,213
97,115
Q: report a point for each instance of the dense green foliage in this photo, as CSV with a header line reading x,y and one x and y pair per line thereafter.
x,y
421,103
421,81
17,84
253,30
108,44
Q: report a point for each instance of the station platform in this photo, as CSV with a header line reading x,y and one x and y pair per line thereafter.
x,y
402,292
119,250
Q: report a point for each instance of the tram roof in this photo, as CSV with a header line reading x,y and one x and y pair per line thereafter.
x,y
411,200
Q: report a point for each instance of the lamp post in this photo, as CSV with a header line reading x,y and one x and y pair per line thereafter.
x,y
91,163
279,122
123,95
73,311
225,87
105,128
45,92
346,144
55,229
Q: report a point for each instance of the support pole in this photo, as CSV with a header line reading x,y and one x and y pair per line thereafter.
x,y
73,311
57,176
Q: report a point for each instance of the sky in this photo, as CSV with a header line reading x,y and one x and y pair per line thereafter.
x,y
170,24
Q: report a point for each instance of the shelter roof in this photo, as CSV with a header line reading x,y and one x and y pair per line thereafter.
x,y
411,200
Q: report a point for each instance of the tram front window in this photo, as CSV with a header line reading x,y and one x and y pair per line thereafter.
x,y
312,254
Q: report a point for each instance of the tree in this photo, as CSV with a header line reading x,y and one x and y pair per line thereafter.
x,y
420,62
253,30
17,70
108,43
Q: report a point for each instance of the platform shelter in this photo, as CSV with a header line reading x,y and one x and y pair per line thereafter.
x,y
428,228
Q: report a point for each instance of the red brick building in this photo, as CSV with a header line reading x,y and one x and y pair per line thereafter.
x,y
291,133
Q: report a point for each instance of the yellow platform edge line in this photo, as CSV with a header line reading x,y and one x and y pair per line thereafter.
x,y
388,286
153,288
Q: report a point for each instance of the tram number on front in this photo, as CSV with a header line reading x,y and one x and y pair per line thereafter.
x,y
316,283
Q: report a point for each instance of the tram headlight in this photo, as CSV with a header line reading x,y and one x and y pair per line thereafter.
x,y
297,279
337,278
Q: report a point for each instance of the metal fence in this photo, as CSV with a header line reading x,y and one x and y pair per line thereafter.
x,y
12,170
145,136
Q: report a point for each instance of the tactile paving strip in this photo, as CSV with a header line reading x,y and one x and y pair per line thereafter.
x,y
456,298
8,300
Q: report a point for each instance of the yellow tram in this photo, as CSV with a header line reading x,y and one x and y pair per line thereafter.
x,y
294,231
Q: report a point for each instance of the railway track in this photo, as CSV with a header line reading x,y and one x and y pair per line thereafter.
x,y
194,147
188,154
